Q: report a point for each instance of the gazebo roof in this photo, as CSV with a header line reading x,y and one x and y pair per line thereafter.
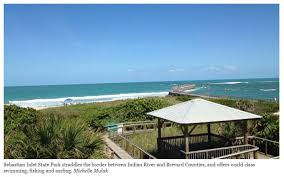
x,y
201,111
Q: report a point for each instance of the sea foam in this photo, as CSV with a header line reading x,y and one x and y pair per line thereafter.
x,y
45,103
228,83
195,89
267,90
268,81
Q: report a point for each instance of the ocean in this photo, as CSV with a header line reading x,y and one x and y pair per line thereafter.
x,y
55,95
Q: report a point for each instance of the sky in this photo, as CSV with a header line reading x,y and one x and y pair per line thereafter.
x,y
77,44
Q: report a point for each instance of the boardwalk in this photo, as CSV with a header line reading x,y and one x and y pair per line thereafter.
x,y
115,151
263,156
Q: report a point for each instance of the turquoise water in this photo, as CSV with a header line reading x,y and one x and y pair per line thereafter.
x,y
266,89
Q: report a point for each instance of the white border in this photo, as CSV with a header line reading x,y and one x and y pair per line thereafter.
x,y
264,167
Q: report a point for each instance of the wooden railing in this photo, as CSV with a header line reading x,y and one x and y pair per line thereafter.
x,y
112,153
137,127
132,149
241,151
195,140
238,152
141,127
173,147
266,146
170,151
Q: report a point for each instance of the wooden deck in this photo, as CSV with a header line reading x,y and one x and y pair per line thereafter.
x,y
261,155
114,151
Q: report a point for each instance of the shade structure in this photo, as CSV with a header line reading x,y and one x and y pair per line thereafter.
x,y
68,101
198,111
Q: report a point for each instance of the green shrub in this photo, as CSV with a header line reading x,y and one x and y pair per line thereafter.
x,y
245,105
49,137
101,119
128,111
54,138
266,107
135,110
184,98
16,118
268,127
230,130
226,102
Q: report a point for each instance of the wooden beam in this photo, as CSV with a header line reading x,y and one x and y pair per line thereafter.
x,y
192,129
182,129
245,129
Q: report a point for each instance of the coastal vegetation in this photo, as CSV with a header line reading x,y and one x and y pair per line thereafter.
x,y
30,134
75,131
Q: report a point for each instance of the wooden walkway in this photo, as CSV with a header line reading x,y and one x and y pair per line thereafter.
x,y
115,151
261,155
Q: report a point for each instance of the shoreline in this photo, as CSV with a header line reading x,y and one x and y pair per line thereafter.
x,y
59,102
53,96
170,93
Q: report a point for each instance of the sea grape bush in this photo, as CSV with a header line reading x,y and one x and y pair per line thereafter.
x,y
129,111
135,110
268,127
16,118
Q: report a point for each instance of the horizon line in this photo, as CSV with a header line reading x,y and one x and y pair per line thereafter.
x,y
136,82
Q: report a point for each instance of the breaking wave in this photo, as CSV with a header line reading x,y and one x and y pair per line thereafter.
x,y
194,89
268,81
228,83
45,103
268,90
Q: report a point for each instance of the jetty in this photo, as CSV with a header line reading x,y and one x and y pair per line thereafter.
x,y
186,90
183,88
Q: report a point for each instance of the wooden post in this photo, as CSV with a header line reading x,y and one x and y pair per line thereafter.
x,y
159,135
141,154
209,132
253,141
111,154
245,129
159,129
266,148
255,155
186,139
127,147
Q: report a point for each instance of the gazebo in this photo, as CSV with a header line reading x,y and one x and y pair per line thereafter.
x,y
196,112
